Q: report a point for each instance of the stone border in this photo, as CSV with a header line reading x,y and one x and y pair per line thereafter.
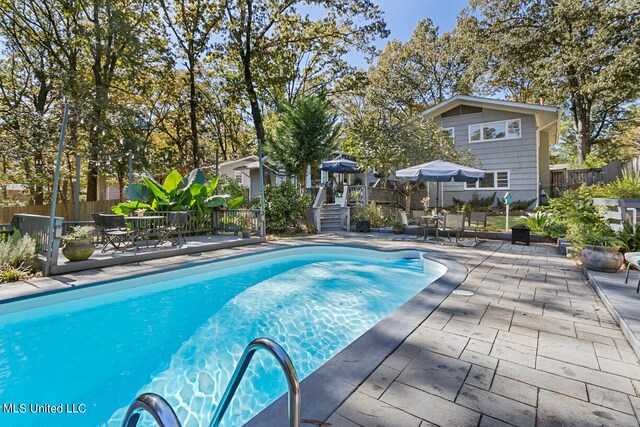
x,y
324,390
90,264
624,326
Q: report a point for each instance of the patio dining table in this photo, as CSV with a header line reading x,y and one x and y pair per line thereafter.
x,y
426,219
144,226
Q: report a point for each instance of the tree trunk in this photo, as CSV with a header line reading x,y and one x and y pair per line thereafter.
x,y
193,105
256,114
583,134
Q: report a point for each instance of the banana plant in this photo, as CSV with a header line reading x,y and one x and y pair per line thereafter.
x,y
176,193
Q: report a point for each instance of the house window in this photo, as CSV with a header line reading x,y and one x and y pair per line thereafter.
x,y
450,132
238,176
493,131
493,180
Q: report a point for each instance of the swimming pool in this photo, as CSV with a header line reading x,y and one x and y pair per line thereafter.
x,y
181,333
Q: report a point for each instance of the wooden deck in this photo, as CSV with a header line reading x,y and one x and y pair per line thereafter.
x,y
194,245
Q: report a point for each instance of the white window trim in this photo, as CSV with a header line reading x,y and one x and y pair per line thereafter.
x,y
453,131
495,182
506,131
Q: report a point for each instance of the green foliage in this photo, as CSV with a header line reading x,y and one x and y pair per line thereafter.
x,y
230,186
375,214
381,141
516,205
284,206
305,135
19,252
476,204
579,53
11,274
626,186
630,241
576,211
176,193
79,233
536,221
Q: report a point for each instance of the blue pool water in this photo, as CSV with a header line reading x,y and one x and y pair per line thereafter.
x,y
181,333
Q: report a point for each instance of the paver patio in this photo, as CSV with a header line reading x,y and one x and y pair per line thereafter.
x,y
534,345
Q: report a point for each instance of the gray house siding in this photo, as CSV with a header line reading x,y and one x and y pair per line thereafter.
x,y
517,155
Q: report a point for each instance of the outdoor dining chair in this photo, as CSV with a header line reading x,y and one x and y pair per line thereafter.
x,y
173,231
115,232
99,226
478,222
453,223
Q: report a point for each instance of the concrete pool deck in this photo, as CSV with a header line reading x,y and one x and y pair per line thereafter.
x,y
534,345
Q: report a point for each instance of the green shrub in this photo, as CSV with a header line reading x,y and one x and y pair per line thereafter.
x,y
19,252
375,214
630,241
476,204
230,186
536,221
575,211
516,205
11,274
283,206
626,186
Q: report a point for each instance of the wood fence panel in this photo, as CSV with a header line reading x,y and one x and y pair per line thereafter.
x,y
64,210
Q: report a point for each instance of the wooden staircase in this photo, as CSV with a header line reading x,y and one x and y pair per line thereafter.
x,y
331,218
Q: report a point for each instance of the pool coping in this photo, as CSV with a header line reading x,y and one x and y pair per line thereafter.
x,y
324,390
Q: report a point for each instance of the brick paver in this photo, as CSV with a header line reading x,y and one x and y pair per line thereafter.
x,y
533,346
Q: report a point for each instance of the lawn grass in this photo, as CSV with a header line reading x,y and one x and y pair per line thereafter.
x,y
497,222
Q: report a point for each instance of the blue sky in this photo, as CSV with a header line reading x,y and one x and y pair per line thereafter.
x,y
402,16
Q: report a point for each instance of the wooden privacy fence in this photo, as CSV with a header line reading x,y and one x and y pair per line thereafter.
x,y
64,210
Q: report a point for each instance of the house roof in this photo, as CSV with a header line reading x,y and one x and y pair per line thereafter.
x,y
255,164
545,114
243,159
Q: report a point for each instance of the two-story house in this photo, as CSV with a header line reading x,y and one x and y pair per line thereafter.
x,y
510,141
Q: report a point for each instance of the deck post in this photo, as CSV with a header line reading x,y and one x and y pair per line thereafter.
x,y
53,234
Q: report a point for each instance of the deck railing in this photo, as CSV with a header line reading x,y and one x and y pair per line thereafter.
x,y
37,226
234,220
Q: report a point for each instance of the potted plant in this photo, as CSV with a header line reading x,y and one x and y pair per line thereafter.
x,y
246,225
78,245
363,225
140,212
397,227
600,251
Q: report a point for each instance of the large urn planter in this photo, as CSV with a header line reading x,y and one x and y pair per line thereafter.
x,y
601,258
78,249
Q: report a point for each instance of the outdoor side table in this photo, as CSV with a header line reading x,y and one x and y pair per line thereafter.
x,y
426,219
520,234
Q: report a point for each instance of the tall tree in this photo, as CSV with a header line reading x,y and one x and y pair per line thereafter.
x,y
257,31
582,53
192,23
307,133
425,70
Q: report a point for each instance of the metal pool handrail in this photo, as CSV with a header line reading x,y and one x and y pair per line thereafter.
x,y
155,405
289,371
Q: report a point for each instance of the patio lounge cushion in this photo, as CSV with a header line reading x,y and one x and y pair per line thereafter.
x,y
632,258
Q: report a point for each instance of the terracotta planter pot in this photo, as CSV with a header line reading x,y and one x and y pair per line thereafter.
x,y
601,258
246,233
78,250
397,230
